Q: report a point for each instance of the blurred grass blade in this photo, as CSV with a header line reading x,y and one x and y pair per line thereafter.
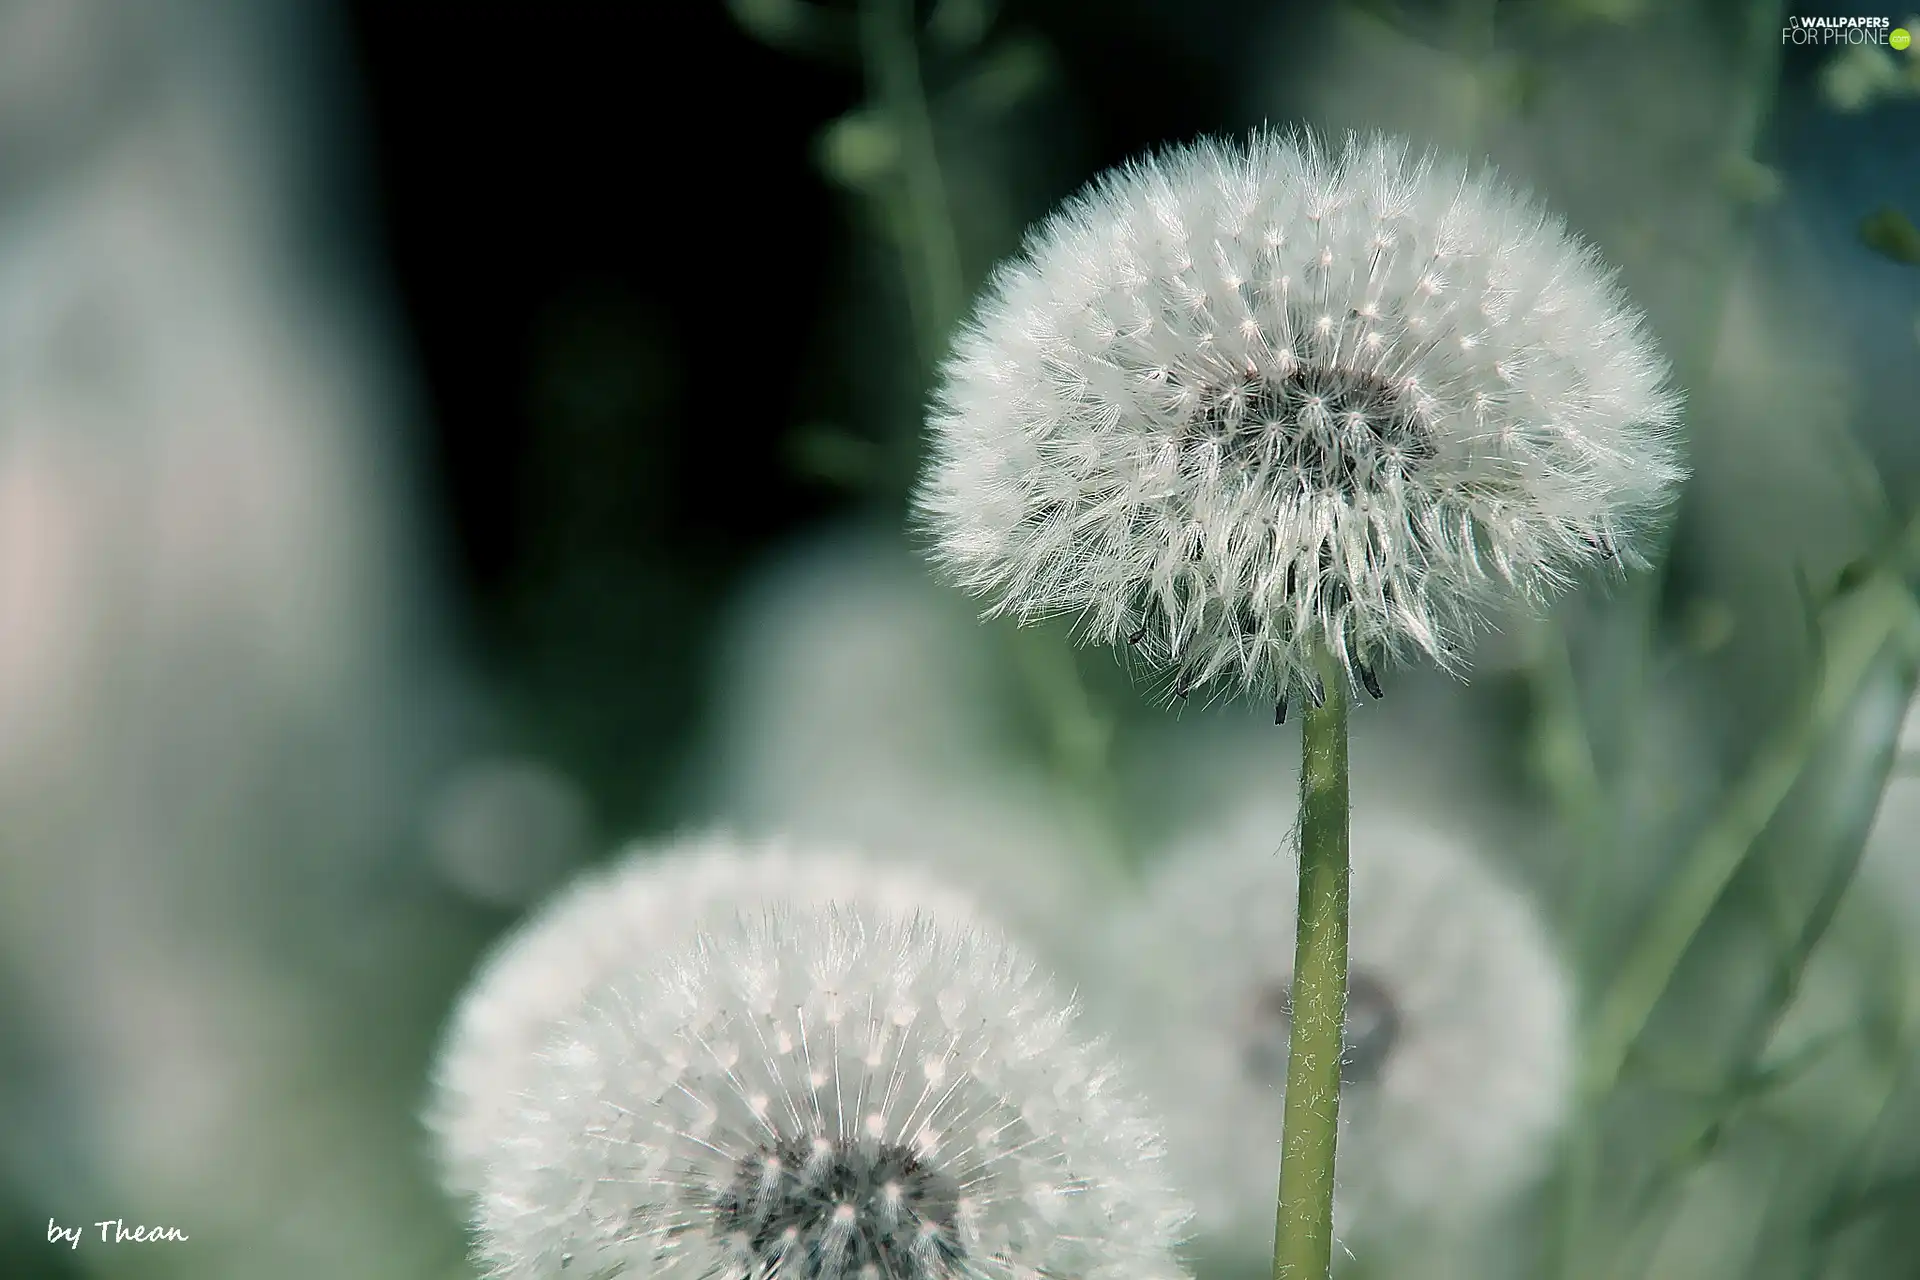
x,y
1857,629
1890,1191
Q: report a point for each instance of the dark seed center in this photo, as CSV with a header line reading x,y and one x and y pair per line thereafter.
x,y
818,1211
1334,429
1373,1026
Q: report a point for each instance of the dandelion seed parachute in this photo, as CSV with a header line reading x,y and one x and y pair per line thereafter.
x,y
1235,402
606,923
1459,1026
828,1093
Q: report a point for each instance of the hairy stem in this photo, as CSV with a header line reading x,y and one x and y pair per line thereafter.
x,y
1303,1222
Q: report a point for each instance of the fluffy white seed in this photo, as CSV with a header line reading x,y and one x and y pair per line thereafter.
x,y
1237,401
1458,1036
650,901
937,1119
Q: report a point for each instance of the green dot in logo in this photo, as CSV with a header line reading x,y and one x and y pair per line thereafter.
x,y
1899,39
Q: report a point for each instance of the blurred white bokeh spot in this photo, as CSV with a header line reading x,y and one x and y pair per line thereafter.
x,y
503,830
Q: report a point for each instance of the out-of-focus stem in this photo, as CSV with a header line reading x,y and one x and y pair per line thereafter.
x,y
1566,760
1077,734
1303,1221
929,241
1565,754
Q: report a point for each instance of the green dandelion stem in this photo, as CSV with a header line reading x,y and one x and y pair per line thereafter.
x,y
1303,1221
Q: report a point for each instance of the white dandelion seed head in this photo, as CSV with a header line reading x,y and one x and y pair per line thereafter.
x,y
1459,1027
652,899
830,1093
1238,401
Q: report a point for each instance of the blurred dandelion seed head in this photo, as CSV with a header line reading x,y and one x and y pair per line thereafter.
x,y
859,704
606,923
1459,1025
830,1092
1373,1023
1238,401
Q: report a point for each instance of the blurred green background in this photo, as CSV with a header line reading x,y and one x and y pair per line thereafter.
x,y
409,409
